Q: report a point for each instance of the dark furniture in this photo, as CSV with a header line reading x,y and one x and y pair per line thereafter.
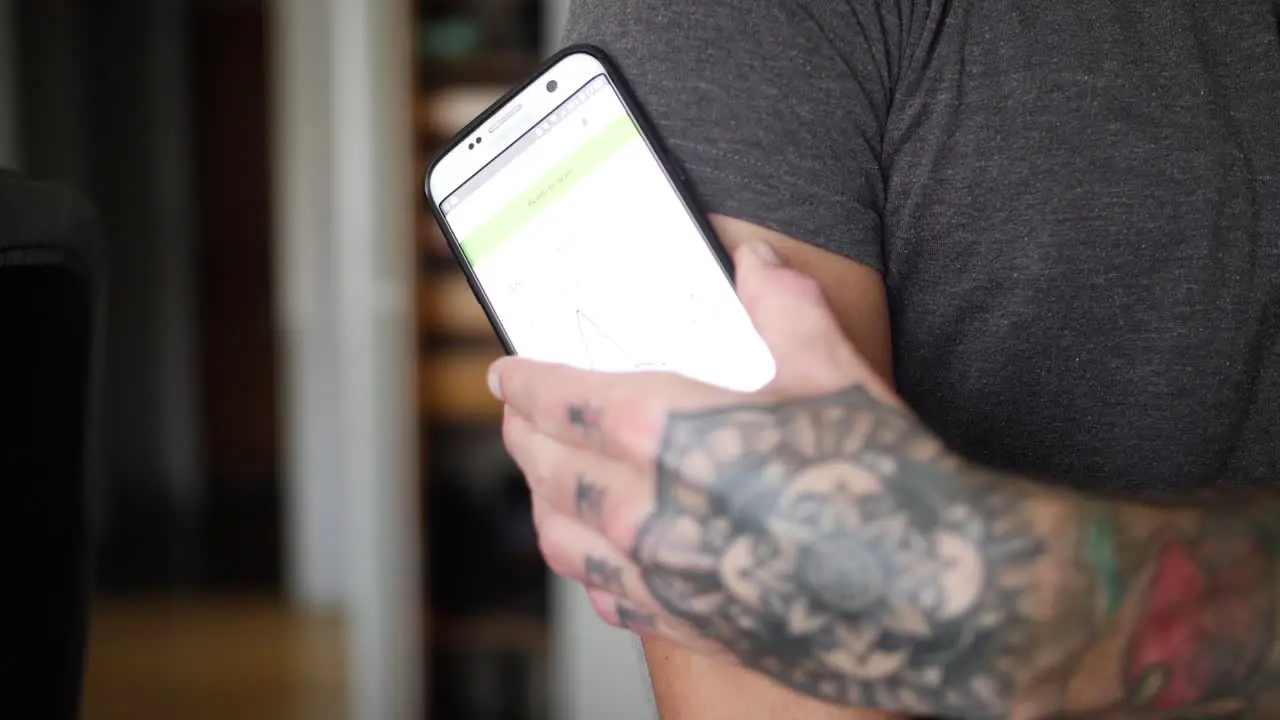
x,y
51,286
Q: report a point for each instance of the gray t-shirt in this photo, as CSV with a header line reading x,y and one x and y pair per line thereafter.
x,y
1075,205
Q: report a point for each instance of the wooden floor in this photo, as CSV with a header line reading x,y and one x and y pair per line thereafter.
x,y
203,659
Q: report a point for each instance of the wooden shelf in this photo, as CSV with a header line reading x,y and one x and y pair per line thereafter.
x,y
487,68
430,240
487,634
444,112
501,635
456,343
448,308
452,386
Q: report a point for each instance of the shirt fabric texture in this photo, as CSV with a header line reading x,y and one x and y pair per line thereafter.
x,y
1075,206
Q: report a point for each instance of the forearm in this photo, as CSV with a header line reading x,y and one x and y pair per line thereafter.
x,y
689,686
1165,613
864,564
1113,609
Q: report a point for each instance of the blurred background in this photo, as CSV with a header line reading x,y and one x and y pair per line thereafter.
x,y
306,510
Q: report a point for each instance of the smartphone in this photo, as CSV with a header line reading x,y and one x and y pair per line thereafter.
x,y
580,239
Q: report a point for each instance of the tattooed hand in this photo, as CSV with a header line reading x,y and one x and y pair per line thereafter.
x,y
816,532
809,531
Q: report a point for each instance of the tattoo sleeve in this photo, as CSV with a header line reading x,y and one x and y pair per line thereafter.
x,y
835,545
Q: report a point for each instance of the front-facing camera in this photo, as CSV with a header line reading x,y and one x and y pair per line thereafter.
x,y
552,85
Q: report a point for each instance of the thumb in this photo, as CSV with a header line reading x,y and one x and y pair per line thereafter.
x,y
791,314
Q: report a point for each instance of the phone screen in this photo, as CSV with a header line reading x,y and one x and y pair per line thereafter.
x,y
588,256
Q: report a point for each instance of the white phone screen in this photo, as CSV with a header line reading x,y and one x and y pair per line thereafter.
x,y
588,256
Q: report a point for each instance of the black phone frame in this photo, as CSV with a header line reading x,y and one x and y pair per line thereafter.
x,y
648,131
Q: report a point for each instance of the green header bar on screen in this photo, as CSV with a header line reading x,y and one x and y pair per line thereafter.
x,y
555,182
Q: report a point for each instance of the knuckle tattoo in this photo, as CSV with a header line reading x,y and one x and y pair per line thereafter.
x,y
601,574
589,499
638,621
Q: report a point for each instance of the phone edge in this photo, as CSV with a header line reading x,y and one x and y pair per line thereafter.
x,y
648,130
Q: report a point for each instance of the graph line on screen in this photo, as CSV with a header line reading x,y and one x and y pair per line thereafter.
x,y
602,350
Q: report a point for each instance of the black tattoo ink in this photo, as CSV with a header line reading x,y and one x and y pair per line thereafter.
x,y
636,621
589,500
827,543
584,417
604,575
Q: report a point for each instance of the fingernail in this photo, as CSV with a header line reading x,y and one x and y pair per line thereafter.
x,y
765,252
495,385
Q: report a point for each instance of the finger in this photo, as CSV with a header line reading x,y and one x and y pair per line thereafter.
x,y
609,497
622,614
790,312
613,582
516,433
574,551
621,414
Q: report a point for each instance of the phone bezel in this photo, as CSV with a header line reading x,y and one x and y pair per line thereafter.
x,y
648,131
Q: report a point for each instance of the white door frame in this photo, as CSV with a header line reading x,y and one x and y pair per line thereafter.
x,y
343,144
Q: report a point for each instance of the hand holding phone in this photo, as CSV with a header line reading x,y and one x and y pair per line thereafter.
x,y
580,240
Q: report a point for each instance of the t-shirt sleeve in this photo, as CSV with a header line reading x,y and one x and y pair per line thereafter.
x,y
775,108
